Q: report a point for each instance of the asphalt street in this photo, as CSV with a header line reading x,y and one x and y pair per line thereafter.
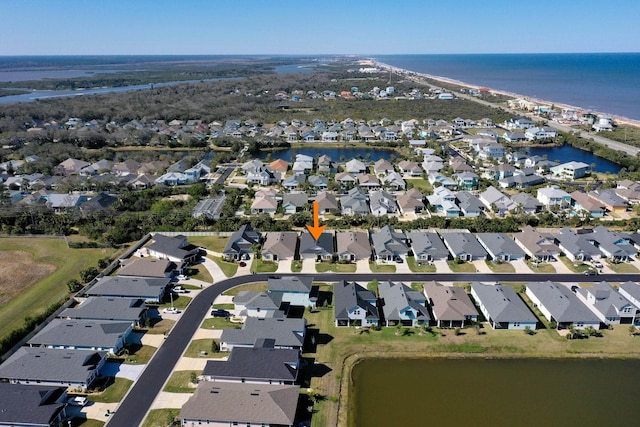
x,y
137,402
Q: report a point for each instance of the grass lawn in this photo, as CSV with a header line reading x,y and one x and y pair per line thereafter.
x,y
180,382
465,267
160,326
39,269
200,272
382,268
197,347
623,267
422,268
228,268
137,354
541,267
296,266
420,184
219,323
250,287
213,243
179,301
323,267
576,268
115,391
161,417
224,306
504,267
260,266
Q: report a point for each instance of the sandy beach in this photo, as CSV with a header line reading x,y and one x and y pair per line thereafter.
x,y
401,71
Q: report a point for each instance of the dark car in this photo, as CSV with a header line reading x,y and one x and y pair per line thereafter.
x,y
220,313
242,264
590,273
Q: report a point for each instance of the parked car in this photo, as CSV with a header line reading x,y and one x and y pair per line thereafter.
x,y
242,264
597,265
590,273
77,401
183,277
398,260
171,310
180,290
220,313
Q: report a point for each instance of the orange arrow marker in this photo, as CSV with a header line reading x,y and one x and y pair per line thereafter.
x,y
317,229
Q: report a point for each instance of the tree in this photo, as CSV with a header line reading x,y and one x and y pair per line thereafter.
x,y
88,274
74,285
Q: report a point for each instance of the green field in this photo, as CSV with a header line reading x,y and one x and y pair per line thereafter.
x,y
50,289
161,417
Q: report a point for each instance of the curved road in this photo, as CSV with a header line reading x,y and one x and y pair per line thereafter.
x,y
136,404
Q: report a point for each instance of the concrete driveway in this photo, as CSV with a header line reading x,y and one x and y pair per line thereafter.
x,y
402,267
561,267
482,267
442,266
284,266
520,266
362,266
308,266
213,268
122,370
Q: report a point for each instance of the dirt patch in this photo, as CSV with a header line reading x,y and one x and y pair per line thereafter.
x,y
18,272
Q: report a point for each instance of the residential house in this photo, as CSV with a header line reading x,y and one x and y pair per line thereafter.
x,y
616,247
327,203
293,290
257,304
497,172
584,204
606,303
63,202
466,180
411,202
355,167
210,208
322,249
382,203
492,150
273,332
368,182
501,247
260,365
126,168
279,246
570,170
75,369
354,202
577,247
353,245
149,289
631,291
345,179
354,305
539,247
318,182
444,202
514,136
29,405
469,204
437,179
502,307
544,132
402,305
410,168
145,267
279,165
264,203
227,404
241,243
291,183
450,305
325,164
95,335
294,202
426,246
388,245
383,167
132,310
393,181
496,201
174,248
553,196
559,304
610,200
70,167
464,246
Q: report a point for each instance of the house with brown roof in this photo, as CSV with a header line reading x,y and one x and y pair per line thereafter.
x,y
143,267
411,202
538,246
279,165
450,305
280,246
327,202
353,245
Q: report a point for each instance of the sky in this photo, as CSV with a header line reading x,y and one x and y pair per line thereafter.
x,y
266,27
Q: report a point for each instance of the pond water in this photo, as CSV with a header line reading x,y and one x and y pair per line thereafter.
x,y
505,392
296,68
567,153
336,153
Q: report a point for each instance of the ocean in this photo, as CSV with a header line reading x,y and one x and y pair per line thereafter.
x,y
600,82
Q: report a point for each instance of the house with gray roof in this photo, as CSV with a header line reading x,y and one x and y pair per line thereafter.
x,y
322,249
559,304
393,181
279,246
444,202
382,203
100,335
32,405
353,305
497,202
293,290
382,167
327,202
427,246
229,404
257,304
529,204
75,369
174,248
146,288
294,202
353,245
500,246
469,204
402,305
502,307
240,244
103,308
631,291
210,207
355,166
355,202
258,365
576,246
616,247
450,305
464,246
273,332
610,200
540,247
608,304
388,244
147,267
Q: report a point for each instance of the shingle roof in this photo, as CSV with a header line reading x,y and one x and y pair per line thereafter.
x,y
256,364
449,303
29,404
103,308
387,240
137,287
81,333
503,304
398,297
607,300
323,246
424,242
290,284
282,331
281,243
347,295
147,268
460,243
563,304
241,241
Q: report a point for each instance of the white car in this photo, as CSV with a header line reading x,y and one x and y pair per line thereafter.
x,y
180,290
171,310
183,277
